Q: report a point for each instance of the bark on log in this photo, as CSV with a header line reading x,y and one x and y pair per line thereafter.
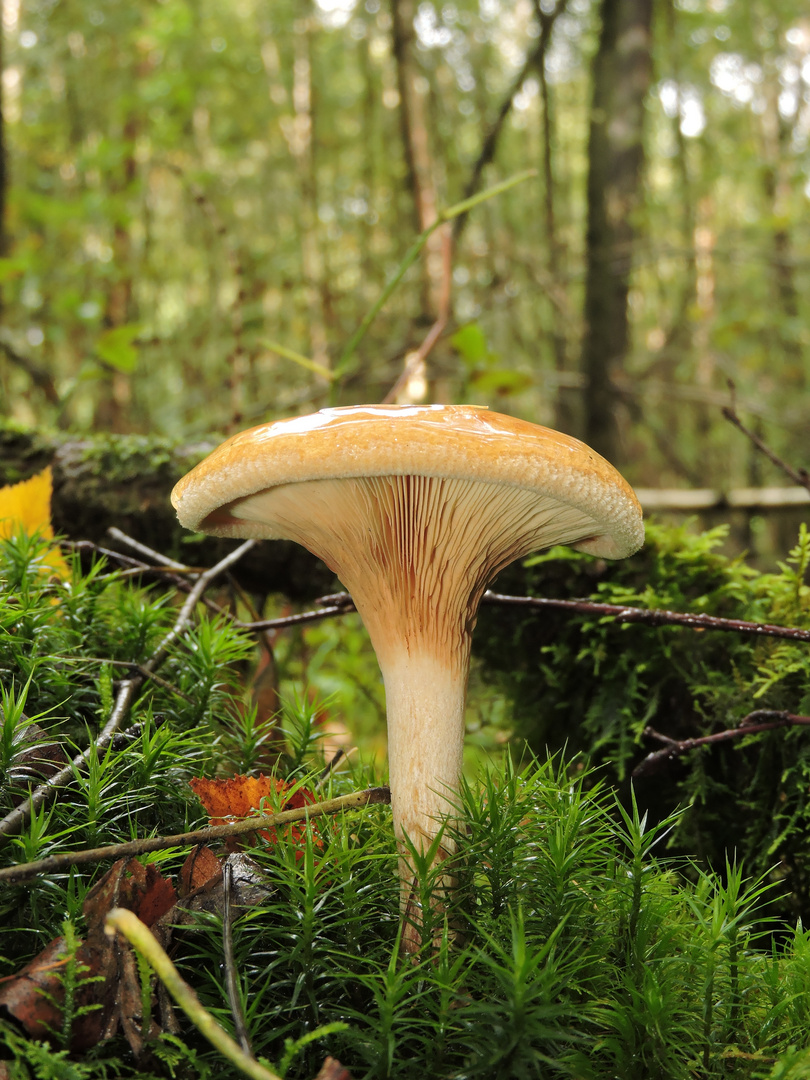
x,y
126,481
692,500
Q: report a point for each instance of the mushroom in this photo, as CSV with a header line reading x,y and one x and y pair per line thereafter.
x,y
415,509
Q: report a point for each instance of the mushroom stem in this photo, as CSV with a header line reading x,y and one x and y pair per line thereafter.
x,y
425,702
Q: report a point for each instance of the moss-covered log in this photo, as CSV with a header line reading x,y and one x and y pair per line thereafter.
x,y
125,481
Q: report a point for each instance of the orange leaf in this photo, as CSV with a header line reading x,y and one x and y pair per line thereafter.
x,y
27,506
241,796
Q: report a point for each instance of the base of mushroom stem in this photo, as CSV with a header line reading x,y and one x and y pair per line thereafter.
x,y
426,909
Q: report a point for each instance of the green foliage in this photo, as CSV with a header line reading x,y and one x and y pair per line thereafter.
x,y
189,183
594,686
57,639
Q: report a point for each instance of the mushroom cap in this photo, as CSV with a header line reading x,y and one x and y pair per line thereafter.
x,y
454,442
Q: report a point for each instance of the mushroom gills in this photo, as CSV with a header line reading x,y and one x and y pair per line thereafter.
x,y
416,554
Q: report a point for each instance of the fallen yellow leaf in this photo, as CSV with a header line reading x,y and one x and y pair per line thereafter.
x,y
26,507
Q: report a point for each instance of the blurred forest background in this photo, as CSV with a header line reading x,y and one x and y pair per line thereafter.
x,y
190,187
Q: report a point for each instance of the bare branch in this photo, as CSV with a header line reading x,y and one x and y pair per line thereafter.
x,y
490,143
135,848
652,616
755,722
142,549
40,376
798,476
342,604
339,604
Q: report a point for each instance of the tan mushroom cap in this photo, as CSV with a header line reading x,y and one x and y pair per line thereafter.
x,y
455,442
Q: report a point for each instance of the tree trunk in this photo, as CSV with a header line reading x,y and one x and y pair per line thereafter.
x,y
776,137
3,158
420,171
622,72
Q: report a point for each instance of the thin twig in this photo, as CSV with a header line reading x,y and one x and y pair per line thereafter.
x,y
142,549
39,375
285,621
15,820
489,145
330,766
755,722
798,476
97,549
135,848
417,358
652,616
135,566
341,603
341,757
231,984
133,666
202,583
346,358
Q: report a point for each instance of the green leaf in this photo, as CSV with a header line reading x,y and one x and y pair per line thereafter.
x,y
501,381
471,345
13,268
115,347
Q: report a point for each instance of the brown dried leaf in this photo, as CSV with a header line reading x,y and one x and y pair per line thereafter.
x,y
333,1070
42,758
108,981
200,866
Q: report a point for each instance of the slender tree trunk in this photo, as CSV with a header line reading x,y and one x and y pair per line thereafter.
x,y
564,414
112,411
776,134
416,149
303,145
3,161
622,72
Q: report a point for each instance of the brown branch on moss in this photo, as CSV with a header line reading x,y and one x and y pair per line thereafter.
x,y
751,724
653,616
15,820
135,848
341,604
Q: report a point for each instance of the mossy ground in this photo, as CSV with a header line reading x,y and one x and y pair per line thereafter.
x,y
585,951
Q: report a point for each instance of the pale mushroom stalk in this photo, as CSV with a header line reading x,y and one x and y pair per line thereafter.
x,y
415,509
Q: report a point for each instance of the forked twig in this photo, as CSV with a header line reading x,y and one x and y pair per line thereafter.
x,y
798,476
755,722
142,549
